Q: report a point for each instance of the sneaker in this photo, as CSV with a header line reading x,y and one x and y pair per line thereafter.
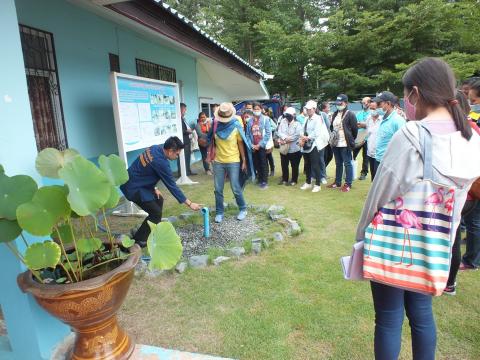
x,y
333,186
450,290
242,215
293,183
345,188
281,182
323,181
209,172
362,177
466,267
263,186
316,188
218,218
306,186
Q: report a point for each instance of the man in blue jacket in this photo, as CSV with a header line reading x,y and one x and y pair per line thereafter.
x,y
144,173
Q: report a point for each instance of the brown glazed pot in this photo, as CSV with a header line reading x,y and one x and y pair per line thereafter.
x,y
90,308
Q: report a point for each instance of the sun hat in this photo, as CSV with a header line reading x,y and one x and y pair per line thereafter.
x,y
310,105
290,110
225,112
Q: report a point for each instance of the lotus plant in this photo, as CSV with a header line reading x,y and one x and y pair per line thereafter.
x,y
65,214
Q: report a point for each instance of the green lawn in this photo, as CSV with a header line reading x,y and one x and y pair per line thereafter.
x,y
291,302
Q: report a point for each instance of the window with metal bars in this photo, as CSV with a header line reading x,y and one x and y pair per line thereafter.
x,y
114,62
154,71
43,87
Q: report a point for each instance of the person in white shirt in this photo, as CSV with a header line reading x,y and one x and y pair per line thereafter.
x,y
313,141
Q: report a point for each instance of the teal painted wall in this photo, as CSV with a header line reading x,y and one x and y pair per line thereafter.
x,y
32,332
82,43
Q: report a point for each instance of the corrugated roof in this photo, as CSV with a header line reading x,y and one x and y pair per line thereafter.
x,y
210,38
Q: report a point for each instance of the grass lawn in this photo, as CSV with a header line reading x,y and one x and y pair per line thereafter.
x,y
291,302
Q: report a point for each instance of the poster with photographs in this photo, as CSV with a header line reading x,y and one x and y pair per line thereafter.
x,y
147,111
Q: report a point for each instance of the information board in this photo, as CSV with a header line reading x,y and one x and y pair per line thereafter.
x,y
147,111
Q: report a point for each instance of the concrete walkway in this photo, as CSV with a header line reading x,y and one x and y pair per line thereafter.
x,y
145,352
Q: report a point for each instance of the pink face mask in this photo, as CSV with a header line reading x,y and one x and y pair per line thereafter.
x,y
410,109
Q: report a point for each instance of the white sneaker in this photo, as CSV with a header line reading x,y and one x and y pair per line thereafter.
x,y
316,188
323,181
306,186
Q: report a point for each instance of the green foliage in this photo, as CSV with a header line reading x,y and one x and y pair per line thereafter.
x,y
49,161
114,168
89,188
15,191
89,245
126,241
48,206
318,49
164,246
9,230
42,255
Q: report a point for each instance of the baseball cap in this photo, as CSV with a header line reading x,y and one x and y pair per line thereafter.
x,y
341,98
289,110
385,96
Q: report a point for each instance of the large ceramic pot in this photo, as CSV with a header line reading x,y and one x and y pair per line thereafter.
x,y
90,308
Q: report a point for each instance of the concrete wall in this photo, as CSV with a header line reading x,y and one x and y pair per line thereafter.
x,y
82,43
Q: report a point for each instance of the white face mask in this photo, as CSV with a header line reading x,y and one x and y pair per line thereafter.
x,y
341,107
257,113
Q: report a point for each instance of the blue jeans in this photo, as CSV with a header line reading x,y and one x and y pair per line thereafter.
x,y
389,304
233,172
343,157
472,222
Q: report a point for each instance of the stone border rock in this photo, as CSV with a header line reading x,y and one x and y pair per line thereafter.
x,y
275,213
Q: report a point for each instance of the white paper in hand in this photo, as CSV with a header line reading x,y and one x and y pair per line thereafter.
x,y
352,266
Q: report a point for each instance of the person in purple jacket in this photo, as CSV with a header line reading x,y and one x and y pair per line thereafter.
x,y
144,173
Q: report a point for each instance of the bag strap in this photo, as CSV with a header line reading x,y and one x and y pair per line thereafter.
x,y
426,146
305,128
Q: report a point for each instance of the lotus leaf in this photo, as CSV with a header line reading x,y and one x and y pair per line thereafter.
x,y
89,245
65,234
164,246
49,161
113,199
89,188
42,255
48,206
114,168
15,191
126,241
9,230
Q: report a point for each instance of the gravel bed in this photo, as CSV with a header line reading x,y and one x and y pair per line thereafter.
x,y
228,233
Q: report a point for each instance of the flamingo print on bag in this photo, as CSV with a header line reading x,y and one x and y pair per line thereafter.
x,y
435,200
408,220
450,201
377,220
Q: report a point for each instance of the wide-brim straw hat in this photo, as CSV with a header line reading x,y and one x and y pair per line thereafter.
x,y
225,112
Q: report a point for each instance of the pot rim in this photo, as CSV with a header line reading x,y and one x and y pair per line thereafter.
x,y
28,284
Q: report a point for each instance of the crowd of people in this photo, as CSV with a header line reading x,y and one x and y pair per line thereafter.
x,y
239,148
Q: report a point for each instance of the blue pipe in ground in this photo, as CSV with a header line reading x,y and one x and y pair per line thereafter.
x,y
206,222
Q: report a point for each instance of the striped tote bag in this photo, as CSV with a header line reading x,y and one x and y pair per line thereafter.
x,y
408,242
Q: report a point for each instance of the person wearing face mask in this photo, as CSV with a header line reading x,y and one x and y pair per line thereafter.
x,y
202,128
372,125
344,125
362,117
429,93
259,133
474,101
391,123
187,133
289,132
313,142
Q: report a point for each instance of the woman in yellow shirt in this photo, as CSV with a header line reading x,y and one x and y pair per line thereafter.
x,y
230,158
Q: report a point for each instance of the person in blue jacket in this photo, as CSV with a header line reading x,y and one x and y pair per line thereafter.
x,y
144,173
259,133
